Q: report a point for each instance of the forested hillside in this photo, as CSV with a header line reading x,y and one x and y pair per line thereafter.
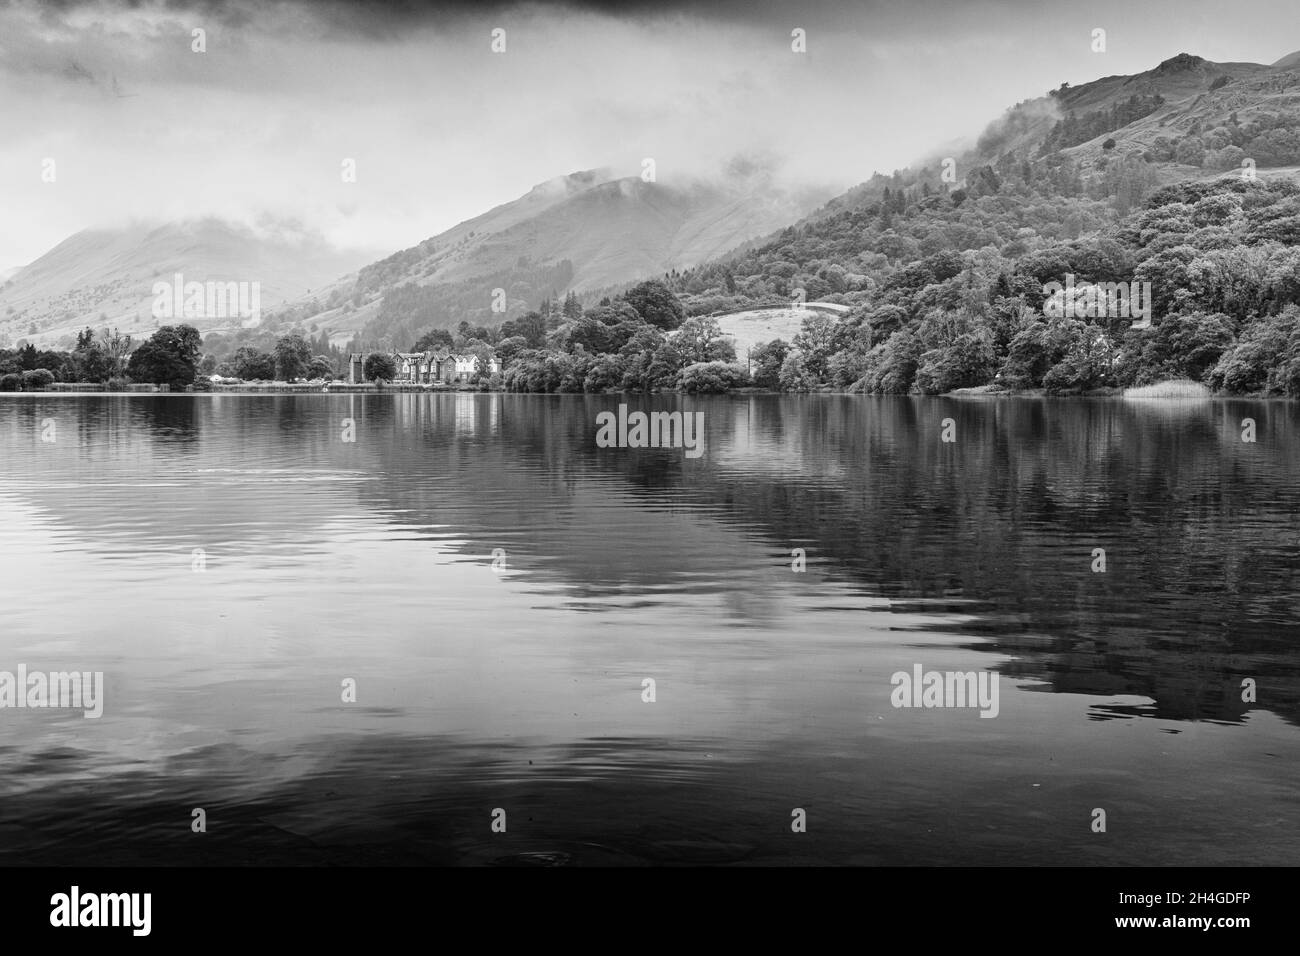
x,y
1180,181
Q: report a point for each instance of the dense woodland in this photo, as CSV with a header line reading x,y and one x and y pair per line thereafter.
x,y
947,292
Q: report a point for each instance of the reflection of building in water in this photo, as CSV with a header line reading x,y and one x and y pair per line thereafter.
x,y
425,368
476,411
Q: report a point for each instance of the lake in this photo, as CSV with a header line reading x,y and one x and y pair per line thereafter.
x,y
364,629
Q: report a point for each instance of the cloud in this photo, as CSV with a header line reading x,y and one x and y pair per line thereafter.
x,y
442,129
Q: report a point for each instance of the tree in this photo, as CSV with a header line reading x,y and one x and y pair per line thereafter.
x,y
614,314
320,367
572,307
1088,364
656,304
967,361
292,356
37,378
169,357
1190,151
1036,350
892,365
11,382
701,340
379,367
593,336
510,347
1183,346
252,364
794,376
819,337
531,325
91,361
116,348
767,359
664,366
483,352
605,374
638,355
1252,362
433,340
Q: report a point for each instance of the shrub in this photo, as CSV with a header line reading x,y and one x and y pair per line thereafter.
x,y
37,378
12,382
701,377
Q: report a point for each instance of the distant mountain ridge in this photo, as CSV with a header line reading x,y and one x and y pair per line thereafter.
x,y
593,231
584,231
101,277
1196,95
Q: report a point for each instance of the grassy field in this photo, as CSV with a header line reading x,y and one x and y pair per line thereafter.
x,y
748,329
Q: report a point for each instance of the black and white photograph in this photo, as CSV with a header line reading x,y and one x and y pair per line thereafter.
x,y
838,435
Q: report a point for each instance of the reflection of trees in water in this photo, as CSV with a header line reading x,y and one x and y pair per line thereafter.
x,y
523,472
170,421
1199,528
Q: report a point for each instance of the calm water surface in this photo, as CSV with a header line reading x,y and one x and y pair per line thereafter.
x,y
521,687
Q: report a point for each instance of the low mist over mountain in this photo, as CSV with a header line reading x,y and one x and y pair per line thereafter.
x,y
1111,141
1178,182
580,232
1185,96
1085,130
105,277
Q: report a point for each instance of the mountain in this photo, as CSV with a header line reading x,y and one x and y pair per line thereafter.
x,y
105,276
1146,115
580,232
1177,185
1289,62
1198,96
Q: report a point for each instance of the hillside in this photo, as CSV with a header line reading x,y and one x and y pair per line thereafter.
x,y
105,276
1137,182
1103,146
1147,115
1177,184
581,232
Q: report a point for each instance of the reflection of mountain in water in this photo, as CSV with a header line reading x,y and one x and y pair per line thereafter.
x,y
991,536
1198,527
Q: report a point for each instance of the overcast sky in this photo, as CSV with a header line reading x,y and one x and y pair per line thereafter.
x,y
442,128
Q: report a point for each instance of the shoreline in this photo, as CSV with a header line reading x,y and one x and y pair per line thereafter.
x,y
981,392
